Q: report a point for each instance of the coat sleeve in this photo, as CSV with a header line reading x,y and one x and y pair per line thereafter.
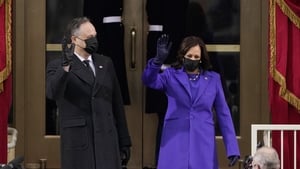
x,y
225,121
152,76
56,80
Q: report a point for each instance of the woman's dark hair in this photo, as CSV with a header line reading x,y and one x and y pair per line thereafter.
x,y
186,45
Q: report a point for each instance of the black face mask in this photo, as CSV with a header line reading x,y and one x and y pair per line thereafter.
x,y
190,65
91,45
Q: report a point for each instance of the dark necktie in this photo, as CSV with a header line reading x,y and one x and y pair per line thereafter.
x,y
87,64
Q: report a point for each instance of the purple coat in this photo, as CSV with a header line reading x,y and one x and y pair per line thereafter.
x,y
188,138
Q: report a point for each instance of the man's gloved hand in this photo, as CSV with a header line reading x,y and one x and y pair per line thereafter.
x,y
232,160
67,52
125,155
162,49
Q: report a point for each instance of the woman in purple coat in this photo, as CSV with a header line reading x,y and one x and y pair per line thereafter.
x,y
194,94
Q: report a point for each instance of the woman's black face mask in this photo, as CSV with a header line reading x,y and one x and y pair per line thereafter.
x,y
190,65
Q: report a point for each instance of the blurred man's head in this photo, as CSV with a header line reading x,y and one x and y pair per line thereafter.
x,y
266,158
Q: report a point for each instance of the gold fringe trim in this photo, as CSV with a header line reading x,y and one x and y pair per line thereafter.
x,y
8,42
1,2
287,95
289,13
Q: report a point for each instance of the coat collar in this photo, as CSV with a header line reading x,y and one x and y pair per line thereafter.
x,y
203,82
80,70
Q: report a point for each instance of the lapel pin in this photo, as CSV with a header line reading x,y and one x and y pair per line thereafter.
x,y
205,78
100,66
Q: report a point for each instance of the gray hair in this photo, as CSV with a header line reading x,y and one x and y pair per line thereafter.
x,y
267,158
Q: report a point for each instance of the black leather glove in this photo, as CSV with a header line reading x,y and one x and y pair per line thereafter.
x,y
232,160
125,155
162,49
67,52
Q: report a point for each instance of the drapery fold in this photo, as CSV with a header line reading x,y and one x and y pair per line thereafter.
x,y
284,76
5,73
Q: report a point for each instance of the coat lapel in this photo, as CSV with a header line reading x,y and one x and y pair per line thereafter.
x,y
183,80
203,82
81,71
100,69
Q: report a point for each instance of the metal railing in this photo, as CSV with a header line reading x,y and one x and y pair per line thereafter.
x,y
267,129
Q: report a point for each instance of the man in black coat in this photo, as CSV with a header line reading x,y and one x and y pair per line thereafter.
x,y
93,127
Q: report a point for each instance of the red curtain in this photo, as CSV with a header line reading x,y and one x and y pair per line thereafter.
x,y
5,74
284,73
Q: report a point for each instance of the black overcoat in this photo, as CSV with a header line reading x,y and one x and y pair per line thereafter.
x,y
93,125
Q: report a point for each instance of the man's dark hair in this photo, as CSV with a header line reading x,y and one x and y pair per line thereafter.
x,y
73,26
